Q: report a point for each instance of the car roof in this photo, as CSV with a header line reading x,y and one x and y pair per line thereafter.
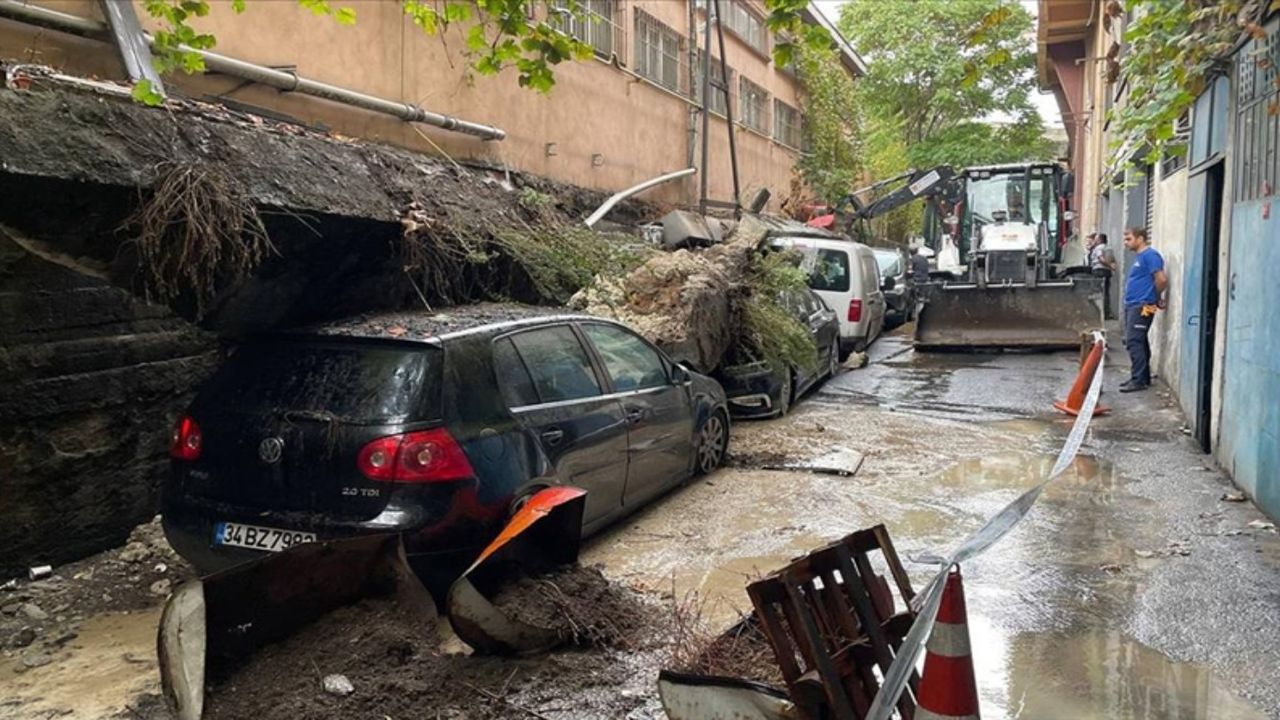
x,y
827,242
437,325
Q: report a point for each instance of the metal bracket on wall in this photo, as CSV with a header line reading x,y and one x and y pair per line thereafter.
x,y
132,42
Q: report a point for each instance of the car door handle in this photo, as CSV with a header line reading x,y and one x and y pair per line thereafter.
x,y
635,415
1193,320
552,436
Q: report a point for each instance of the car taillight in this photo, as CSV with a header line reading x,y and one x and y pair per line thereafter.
x,y
186,441
416,457
855,310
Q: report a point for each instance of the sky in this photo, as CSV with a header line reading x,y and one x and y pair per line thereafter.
x,y
1045,103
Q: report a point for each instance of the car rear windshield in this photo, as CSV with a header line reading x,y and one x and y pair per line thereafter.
x,y
890,262
350,381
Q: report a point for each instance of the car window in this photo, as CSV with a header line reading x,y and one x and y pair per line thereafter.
x,y
557,364
890,262
870,274
513,376
830,271
630,361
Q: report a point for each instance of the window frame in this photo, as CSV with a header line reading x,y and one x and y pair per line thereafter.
x,y
597,371
667,363
760,94
589,32
726,94
793,125
644,24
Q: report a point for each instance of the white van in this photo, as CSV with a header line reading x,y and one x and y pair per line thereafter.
x,y
845,274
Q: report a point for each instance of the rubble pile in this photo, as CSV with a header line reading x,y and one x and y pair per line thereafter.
x,y
376,659
684,301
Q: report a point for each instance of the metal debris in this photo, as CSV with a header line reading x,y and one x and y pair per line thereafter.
x,y
841,461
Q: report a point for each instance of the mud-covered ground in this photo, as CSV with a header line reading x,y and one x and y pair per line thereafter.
x,y
1139,586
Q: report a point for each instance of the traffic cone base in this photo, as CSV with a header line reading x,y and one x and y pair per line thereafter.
x,y
1075,398
948,690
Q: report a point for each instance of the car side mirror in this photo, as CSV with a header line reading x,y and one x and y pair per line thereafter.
x,y
889,284
680,375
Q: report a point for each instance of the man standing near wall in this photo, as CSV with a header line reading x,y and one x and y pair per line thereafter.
x,y
1144,291
1102,263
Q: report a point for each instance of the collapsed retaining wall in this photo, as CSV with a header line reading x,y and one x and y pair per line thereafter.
x,y
92,374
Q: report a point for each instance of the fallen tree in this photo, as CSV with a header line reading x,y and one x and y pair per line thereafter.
x,y
699,305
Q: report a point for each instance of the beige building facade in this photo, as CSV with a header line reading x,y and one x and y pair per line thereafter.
x,y
629,114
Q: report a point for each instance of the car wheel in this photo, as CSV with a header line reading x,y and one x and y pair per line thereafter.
x,y
833,360
786,395
713,441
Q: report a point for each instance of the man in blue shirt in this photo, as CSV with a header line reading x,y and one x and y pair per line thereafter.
x,y
1143,295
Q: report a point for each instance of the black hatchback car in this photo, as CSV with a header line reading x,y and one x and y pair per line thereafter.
x,y
758,389
437,426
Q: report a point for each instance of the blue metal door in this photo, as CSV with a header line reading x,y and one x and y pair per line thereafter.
x,y
1250,437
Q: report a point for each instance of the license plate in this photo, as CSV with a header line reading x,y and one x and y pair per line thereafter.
x,y
258,537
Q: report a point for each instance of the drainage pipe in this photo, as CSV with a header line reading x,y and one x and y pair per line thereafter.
x,y
279,79
633,190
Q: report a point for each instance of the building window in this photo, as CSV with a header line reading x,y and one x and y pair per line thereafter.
x,y
753,104
743,22
594,25
786,124
719,101
657,51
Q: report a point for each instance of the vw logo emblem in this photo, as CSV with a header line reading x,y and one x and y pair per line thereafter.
x,y
271,449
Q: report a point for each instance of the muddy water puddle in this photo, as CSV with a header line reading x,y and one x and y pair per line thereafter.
x,y
95,676
1093,675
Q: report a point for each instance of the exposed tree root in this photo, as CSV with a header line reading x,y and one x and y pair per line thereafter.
x,y
198,232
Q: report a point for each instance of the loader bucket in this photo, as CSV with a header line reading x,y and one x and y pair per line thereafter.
x,y
211,625
1049,316
544,533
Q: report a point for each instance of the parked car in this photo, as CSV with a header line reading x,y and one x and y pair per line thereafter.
x,y
899,288
435,426
846,276
756,388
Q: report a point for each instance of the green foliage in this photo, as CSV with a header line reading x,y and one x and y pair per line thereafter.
x,y
769,331
918,60
793,34
832,163
937,71
1171,46
976,143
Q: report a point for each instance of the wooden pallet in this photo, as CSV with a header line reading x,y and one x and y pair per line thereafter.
x,y
831,621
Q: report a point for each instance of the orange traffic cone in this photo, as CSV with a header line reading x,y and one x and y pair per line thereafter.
x,y
948,690
1075,398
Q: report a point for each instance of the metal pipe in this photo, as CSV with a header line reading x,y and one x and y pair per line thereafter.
x,y
621,195
706,109
281,80
728,114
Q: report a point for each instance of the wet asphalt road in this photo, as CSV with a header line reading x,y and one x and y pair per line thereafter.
x,y
1130,591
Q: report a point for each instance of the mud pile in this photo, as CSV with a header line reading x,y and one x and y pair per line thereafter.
x,y
685,301
398,668
580,604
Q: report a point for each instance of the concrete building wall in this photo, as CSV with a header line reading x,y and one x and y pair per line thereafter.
x,y
1169,237
603,126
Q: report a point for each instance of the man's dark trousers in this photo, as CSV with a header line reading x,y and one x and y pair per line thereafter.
x,y
1105,274
1136,328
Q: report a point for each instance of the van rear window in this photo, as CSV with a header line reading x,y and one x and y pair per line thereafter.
x,y
830,271
356,383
